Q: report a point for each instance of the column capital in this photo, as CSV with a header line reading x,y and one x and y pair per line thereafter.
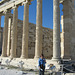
x,y
6,11
11,15
15,6
27,2
39,0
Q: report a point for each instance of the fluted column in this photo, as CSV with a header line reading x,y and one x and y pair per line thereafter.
x,y
5,35
38,45
14,33
9,36
24,53
56,31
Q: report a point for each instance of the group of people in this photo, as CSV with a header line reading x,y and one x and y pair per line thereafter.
x,y
42,62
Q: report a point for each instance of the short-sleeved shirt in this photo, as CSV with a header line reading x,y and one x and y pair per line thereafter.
x,y
42,61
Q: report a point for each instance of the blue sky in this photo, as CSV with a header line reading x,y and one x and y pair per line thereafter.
x,y
47,13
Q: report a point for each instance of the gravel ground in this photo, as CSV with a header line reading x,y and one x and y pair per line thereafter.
x,y
4,70
13,72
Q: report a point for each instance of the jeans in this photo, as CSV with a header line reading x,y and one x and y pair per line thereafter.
x,y
41,72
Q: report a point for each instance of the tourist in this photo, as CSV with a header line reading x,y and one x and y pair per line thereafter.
x,y
42,63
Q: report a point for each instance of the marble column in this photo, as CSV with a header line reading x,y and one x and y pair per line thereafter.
x,y
73,32
14,32
0,33
5,35
67,22
56,31
24,53
38,45
9,36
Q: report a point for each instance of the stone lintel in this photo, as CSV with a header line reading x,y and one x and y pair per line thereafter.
x,y
3,1
11,3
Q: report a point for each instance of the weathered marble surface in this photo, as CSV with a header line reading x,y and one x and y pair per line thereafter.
x,y
47,40
56,31
38,42
8,4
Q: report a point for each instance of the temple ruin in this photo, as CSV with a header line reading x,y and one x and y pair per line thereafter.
x,y
25,40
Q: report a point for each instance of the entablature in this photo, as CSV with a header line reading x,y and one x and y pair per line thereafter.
x,y
8,4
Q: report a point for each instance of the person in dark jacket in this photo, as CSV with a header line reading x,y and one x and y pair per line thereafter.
x,y
42,63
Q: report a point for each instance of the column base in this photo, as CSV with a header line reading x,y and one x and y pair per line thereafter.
x,y
3,55
8,55
65,57
58,60
12,57
36,57
24,57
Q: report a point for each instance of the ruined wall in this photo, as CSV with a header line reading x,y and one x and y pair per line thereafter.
x,y
67,21
73,33
68,30
47,40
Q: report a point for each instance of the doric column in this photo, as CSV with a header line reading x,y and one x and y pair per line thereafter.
x,y
25,31
14,32
56,31
5,35
38,45
9,36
